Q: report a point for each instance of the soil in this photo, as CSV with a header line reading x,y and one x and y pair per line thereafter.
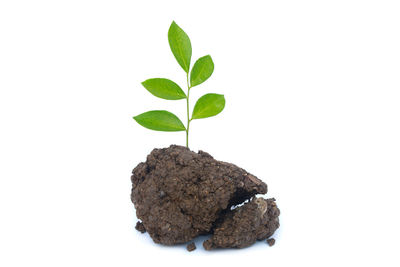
x,y
271,242
140,227
243,226
191,247
179,194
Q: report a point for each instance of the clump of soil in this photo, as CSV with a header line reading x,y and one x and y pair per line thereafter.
x,y
243,226
271,242
140,227
179,194
190,247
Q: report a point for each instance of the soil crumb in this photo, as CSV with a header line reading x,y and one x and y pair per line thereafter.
x,y
140,227
271,242
179,194
190,247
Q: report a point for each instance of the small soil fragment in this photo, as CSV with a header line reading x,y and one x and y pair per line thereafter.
x,y
191,246
271,242
140,227
180,194
243,226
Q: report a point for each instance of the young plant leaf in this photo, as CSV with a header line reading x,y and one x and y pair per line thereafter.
x,y
160,120
180,46
164,88
202,70
208,105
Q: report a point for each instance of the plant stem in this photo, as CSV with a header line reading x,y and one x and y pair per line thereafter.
x,y
187,110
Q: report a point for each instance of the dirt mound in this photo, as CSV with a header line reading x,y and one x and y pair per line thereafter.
x,y
179,194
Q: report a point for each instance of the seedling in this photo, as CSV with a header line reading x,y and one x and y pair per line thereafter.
x,y
206,106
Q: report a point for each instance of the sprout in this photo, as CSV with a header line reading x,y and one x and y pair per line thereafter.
x,y
206,106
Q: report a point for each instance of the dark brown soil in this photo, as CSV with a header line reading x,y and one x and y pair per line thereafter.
x,y
179,194
191,246
140,227
243,226
271,242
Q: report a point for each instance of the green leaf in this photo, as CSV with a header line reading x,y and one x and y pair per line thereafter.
x,y
202,70
160,120
164,88
208,105
180,46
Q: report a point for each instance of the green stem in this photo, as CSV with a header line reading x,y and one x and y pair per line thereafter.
x,y
187,110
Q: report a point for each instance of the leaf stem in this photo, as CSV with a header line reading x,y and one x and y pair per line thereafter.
x,y
187,110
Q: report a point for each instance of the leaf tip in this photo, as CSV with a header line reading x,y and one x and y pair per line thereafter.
x,y
173,24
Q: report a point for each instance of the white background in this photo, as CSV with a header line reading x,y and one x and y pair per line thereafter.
x,y
312,108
